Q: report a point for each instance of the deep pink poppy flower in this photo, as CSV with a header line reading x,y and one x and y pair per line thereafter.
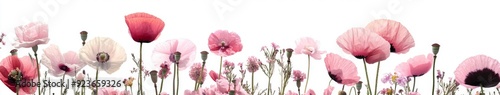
x,y
224,43
341,70
32,34
144,27
11,66
395,33
163,53
416,66
362,43
477,71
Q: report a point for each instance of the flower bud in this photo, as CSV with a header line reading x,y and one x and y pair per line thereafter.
x,y
435,48
298,84
177,56
204,55
35,48
13,52
342,93
359,85
154,76
83,35
289,52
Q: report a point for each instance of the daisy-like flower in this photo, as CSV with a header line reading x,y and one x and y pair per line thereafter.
x,y
104,54
59,64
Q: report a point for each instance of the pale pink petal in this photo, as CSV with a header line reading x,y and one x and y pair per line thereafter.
x,y
362,43
32,34
28,67
404,69
164,50
475,63
394,32
308,46
188,53
310,92
231,39
92,47
328,90
420,64
342,68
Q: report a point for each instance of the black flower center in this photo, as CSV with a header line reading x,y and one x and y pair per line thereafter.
x,y
15,76
484,77
64,68
359,57
223,46
393,49
335,78
102,57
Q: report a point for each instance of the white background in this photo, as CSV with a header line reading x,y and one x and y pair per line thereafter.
x,y
463,29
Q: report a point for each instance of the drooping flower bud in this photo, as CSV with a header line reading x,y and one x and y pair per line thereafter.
x,y
204,55
177,56
359,85
289,52
13,52
435,48
154,76
342,93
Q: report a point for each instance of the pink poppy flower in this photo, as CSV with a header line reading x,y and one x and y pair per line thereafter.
x,y
164,52
341,70
328,90
104,54
298,76
395,33
196,71
58,64
32,34
224,43
290,92
253,64
194,92
310,92
144,27
223,85
362,43
11,66
213,75
308,46
479,70
416,66
237,88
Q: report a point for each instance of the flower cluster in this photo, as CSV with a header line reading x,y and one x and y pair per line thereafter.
x,y
370,44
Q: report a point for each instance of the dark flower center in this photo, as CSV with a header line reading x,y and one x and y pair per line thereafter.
x,y
393,49
484,77
223,46
15,76
172,58
102,57
64,68
335,77
359,57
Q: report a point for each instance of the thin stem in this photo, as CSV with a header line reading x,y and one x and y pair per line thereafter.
x,y
343,87
96,79
177,69
367,79
131,90
433,74
252,83
482,91
330,82
395,86
38,68
61,82
308,69
269,86
17,88
350,90
376,76
173,80
414,81
156,90
161,85
199,77
220,66
140,69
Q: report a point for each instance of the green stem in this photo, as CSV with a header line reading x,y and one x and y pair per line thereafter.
x,y
161,85
61,82
140,69
17,88
177,90
367,79
343,87
220,67
252,83
199,77
395,86
482,91
308,69
433,74
376,77
96,79
414,81
38,68
269,86
330,82
173,79
156,90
